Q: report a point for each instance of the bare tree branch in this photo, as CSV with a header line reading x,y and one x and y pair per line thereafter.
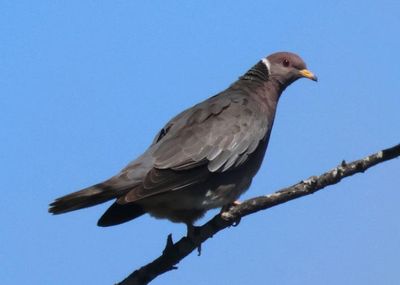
x,y
175,252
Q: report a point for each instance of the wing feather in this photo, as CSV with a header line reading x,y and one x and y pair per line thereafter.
x,y
217,135
220,131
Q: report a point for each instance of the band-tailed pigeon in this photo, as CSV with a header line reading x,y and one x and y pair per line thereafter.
x,y
204,158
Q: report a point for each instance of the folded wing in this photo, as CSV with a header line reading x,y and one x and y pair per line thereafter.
x,y
213,137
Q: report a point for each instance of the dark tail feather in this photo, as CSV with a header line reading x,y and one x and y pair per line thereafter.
x,y
118,214
81,199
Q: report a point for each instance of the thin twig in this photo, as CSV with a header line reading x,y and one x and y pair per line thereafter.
x,y
175,252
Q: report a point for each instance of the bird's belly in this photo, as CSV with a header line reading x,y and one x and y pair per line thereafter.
x,y
188,205
223,195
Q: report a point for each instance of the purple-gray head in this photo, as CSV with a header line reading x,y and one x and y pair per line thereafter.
x,y
287,67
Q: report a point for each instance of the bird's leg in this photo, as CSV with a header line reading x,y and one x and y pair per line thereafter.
x,y
227,207
192,233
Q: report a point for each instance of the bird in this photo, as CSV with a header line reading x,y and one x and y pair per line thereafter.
x,y
203,158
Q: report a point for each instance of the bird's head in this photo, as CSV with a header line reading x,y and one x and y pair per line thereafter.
x,y
287,67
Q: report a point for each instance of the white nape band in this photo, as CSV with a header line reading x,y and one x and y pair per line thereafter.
x,y
267,64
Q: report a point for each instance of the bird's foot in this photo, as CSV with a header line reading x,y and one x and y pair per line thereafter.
x,y
227,207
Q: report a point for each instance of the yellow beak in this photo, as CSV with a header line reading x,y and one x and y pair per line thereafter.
x,y
308,74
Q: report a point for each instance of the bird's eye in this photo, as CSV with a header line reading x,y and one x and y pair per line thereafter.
x,y
285,63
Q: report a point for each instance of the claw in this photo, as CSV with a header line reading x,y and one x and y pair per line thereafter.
x,y
199,250
236,223
228,206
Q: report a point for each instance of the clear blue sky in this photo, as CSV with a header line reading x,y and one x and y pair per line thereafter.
x,y
85,85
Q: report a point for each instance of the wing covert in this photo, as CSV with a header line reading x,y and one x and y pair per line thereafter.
x,y
220,132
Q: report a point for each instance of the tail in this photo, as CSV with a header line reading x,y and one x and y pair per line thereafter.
x,y
87,197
